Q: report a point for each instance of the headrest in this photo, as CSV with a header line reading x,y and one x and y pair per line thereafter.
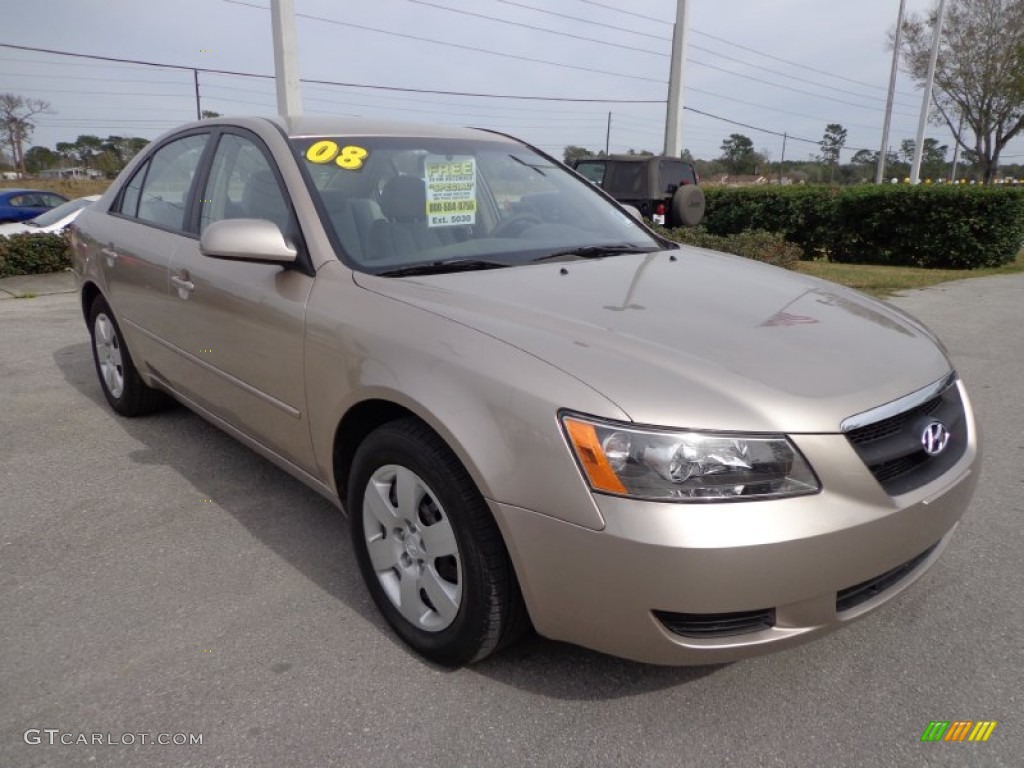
x,y
404,198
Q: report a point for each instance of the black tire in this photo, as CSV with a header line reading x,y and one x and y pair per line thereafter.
x,y
135,398
490,613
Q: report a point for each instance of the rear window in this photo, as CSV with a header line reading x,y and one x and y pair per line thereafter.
x,y
674,174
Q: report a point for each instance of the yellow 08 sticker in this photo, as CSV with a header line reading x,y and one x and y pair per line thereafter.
x,y
350,157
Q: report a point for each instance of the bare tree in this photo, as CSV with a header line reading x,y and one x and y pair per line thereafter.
x,y
979,77
17,123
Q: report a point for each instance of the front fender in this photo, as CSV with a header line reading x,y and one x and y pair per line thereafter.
x,y
494,405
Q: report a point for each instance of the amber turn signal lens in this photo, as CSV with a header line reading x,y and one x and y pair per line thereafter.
x,y
588,450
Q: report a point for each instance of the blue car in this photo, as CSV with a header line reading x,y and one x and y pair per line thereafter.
x,y
21,204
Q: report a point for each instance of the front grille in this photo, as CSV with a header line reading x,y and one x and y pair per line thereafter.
x,y
892,447
892,426
853,596
717,624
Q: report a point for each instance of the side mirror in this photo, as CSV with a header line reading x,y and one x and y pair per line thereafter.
x,y
256,240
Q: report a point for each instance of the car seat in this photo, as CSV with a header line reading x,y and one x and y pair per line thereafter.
x,y
404,232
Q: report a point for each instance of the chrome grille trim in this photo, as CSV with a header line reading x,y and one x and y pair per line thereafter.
x,y
903,404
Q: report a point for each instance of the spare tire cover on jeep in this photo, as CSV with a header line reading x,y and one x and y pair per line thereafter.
x,y
688,205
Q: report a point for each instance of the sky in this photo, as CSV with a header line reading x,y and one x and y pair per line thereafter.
x,y
783,66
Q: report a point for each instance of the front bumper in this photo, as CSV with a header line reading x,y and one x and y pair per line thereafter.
x,y
795,558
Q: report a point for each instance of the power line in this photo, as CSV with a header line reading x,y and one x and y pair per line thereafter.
x,y
535,28
207,70
816,70
774,109
571,66
787,87
625,13
790,136
782,74
795,63
582,20
96,77
117,93
644,50
460,46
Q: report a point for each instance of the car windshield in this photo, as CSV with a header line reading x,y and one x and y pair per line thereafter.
x,y
400,203
54,215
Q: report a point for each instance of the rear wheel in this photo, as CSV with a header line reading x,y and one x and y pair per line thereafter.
x,y
428,548
121,383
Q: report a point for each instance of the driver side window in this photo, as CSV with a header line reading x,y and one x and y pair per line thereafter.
x,y
242,185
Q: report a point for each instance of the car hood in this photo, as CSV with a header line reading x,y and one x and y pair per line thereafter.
x,y
694,338
15,228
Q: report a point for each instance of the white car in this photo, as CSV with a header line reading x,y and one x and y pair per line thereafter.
x,y
54,220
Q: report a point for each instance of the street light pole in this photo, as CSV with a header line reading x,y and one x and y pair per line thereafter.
x,y
926,101
880,172
286,70
674,114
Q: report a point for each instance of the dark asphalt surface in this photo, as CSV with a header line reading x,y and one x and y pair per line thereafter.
x,y
158,577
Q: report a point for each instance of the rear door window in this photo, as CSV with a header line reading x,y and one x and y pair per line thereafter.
x,y
164,196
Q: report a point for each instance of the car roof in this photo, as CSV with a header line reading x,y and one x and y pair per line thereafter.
x,y
631,158
327,125
19,190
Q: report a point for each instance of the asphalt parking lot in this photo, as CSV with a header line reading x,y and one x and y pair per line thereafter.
x,y
156,577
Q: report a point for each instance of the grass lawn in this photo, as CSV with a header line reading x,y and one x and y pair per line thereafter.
x,y
885,281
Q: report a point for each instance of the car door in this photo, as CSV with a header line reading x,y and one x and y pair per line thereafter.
x,y
134,240
238,326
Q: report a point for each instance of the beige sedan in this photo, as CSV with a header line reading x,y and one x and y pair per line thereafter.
x,y
534,410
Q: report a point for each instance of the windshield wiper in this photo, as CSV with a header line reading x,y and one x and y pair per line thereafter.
x,y
596,251
440,267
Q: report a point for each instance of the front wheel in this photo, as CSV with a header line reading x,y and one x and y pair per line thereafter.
x,y
428,548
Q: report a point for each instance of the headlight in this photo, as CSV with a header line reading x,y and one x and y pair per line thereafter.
x,y
687,466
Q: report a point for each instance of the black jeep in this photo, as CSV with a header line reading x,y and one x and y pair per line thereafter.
x,y
649,183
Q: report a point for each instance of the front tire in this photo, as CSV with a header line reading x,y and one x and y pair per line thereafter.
x,y
428,548
124,389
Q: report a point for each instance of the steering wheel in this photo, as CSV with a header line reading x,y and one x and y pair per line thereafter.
x,y
513,225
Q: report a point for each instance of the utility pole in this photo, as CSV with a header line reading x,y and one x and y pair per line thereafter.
x,y
286,69
782,161
880,172
199,107
608,135
674,115
956,148
926,101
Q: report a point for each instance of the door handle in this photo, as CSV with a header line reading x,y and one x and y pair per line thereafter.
x,y
183,284
111,255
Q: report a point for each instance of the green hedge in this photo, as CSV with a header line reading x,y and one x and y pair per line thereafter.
x,y
31,254
923,226
769,247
